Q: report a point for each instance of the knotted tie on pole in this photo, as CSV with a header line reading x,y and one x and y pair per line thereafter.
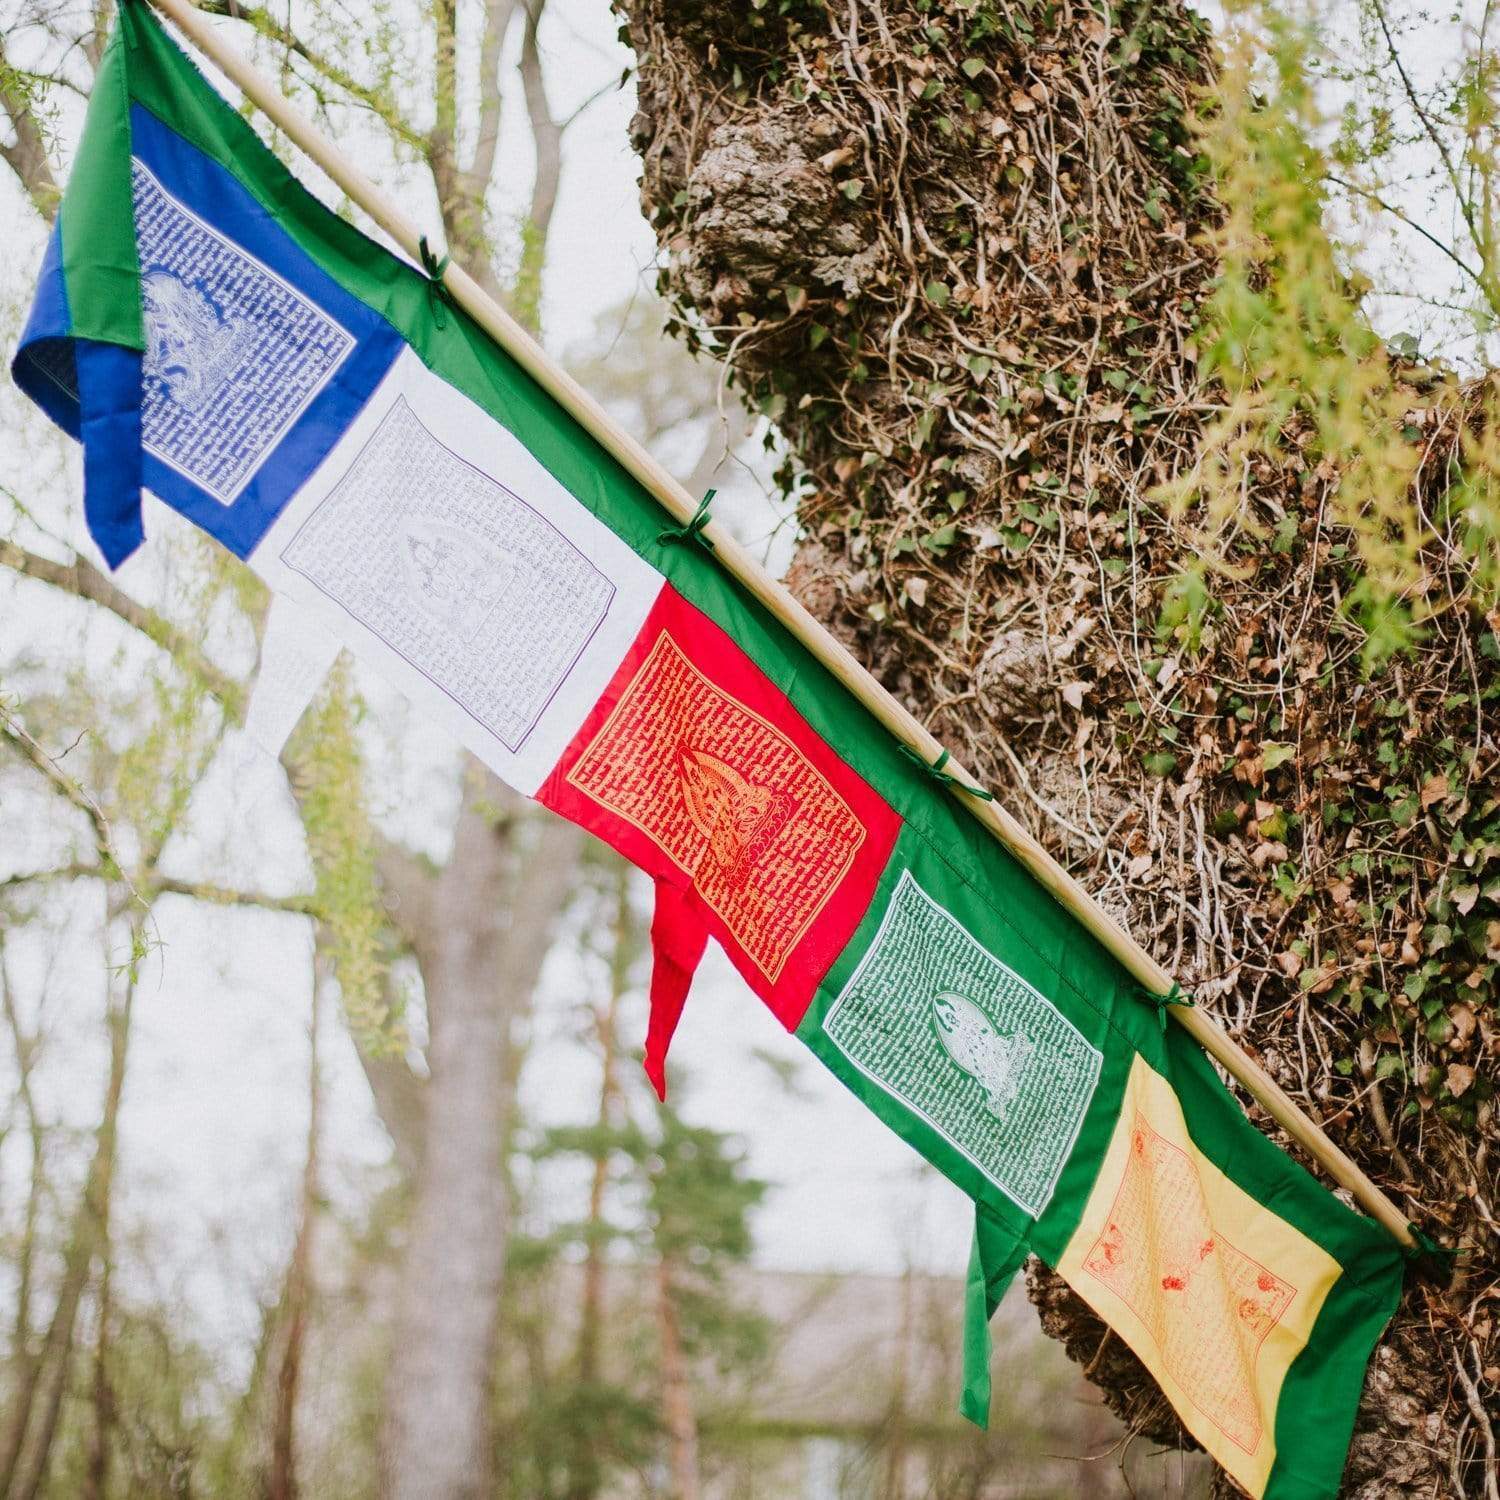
x,y
935,770
693,530
438,295
1174,996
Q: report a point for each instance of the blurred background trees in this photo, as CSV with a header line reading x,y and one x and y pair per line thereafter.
x,y
1130,403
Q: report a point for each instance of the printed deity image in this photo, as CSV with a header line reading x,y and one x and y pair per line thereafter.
x,y
960,1039
421,548
1207,1306
454,574
234,354
717,788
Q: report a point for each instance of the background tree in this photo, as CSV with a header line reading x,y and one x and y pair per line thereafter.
x,y
430,961
376,904
667,1208
1105,471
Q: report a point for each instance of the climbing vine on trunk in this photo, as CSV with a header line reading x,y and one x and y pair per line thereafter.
x,y
1102,471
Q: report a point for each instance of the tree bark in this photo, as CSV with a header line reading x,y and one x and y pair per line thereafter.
x,y
957,254
676,1391
480,961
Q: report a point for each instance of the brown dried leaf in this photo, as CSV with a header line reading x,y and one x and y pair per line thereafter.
x,y
1463,1021
1460,1079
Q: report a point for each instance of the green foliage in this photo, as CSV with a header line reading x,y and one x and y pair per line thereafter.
x,y
1307,380
329,768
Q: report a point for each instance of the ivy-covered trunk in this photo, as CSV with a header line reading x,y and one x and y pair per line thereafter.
x,y
956,249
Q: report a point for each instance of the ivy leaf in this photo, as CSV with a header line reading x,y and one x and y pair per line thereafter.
x,y
937,293
979,365
796,297
853,188
815,335
972,66
1277,755
1162,763
1460,1079
941,539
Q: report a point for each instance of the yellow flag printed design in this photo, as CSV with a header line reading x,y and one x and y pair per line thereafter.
x,y
1214,1292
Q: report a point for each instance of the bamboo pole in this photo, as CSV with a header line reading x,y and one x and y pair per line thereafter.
x,y
516,342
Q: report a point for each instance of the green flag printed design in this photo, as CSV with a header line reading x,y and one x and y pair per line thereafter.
x,y
933,1017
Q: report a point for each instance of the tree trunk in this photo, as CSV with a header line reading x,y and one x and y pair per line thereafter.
x,y
585,1472
281,1482
436,1435
102,1400
676,1392
956,253
39,1405
480,957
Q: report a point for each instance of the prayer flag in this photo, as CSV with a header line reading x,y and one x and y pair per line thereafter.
x,y
210,331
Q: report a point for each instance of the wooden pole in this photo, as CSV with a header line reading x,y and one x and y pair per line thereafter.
x,y
519,344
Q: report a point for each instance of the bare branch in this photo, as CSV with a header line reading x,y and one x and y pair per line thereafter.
x,y
546,145
83,580
377,102
1476,276
546,133
75,871
27,155
216,895
481,165
15,734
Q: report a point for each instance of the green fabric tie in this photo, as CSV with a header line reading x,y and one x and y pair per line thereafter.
x,y
935,770
1174,996
438,295
1430,1259
994,1259
693,531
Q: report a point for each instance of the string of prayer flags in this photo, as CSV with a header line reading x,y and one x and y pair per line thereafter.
x,y
215,335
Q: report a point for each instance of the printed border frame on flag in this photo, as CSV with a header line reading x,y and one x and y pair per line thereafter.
x,y
907,881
